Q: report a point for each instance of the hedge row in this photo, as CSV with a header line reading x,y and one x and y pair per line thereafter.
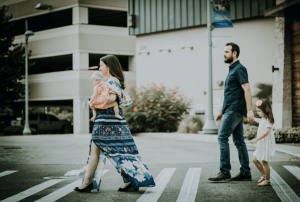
x,y
287,135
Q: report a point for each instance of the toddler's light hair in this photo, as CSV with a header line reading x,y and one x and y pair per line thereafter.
x,y
97,75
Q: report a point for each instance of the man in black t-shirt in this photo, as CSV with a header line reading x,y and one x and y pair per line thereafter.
x,y
237,104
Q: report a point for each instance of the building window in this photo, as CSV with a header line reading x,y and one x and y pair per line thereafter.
x,y
107,17
44,22
51,64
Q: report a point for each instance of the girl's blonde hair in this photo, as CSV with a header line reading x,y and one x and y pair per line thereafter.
x,y
96,75
265,106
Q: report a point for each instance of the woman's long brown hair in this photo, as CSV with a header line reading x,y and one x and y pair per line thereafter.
x,y
115,68
266,108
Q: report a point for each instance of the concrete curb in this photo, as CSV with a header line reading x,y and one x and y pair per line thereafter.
x,y
292,150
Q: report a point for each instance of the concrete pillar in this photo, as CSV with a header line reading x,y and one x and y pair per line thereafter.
x,y
80,116
131,64
80,61
80,15
282,79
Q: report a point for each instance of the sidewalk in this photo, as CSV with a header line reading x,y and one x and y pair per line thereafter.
x,y
282,147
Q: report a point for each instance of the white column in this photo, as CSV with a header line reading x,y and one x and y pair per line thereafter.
x,y
80,61
282,79
131,64
80,117
80,15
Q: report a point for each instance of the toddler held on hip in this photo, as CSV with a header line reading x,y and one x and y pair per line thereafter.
x,y
265,141
100,97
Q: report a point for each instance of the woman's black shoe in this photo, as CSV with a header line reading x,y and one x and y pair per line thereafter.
x,y
128,188
86,189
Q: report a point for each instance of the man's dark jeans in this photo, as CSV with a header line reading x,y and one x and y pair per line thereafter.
x,y
232,123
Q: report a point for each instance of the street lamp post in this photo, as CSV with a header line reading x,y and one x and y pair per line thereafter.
x,y
26,130
210,125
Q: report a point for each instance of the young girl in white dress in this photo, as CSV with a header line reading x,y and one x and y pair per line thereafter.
x,y
265,141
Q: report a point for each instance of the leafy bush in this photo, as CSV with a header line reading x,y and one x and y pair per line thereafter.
x,y
250,131
16,130
155,109
287,135
190,124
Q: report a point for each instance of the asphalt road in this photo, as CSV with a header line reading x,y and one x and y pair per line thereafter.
x,y
38,165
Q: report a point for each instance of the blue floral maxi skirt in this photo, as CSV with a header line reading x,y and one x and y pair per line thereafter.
x,y
112,136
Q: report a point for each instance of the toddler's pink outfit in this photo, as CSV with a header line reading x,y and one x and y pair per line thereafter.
x,y
100,101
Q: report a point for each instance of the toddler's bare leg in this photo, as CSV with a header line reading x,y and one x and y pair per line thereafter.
x,y
94,114
116,109
258,165
112,98
267,169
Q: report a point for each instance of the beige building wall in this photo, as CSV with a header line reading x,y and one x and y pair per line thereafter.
x,y
28,6
187,68
79,39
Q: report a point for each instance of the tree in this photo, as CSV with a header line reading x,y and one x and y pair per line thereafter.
x,y
12,62
264,91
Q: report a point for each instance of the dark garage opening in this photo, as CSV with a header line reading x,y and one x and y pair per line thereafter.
x,y
51,64
94,60
44,22
107,17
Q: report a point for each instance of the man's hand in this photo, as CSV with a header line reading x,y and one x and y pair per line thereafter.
x,y
250,116
219,117
253,141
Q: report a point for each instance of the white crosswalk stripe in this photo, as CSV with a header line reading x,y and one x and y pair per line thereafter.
x,y
153,193
295,170
282,189
188,191
7,172
54,196
31,191
75,172
190,185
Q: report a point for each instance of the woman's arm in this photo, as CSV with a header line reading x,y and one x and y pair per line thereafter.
x,y
114,79
257,120
261,136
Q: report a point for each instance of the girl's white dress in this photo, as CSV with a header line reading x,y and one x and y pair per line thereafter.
x,y
265,147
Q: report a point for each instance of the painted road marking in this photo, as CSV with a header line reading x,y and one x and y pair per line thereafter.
x,y
153,193
295,170
54,196
75,172
7,172
190,185
282,189
31,191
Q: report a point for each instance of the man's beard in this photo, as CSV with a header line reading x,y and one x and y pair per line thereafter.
x,y
228,60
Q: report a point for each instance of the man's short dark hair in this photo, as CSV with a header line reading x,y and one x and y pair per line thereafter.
x,y
235,47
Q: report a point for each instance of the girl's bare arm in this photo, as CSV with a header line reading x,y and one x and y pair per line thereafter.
x,y
264,134
256,120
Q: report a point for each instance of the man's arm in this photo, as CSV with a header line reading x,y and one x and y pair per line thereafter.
x,y
219,116
248,97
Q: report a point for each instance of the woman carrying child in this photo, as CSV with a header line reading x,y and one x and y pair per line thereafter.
x,y
111,138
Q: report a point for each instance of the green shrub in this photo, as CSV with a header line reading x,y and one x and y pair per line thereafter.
x,y
287,135
16,130
190,124
250,132
155,109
